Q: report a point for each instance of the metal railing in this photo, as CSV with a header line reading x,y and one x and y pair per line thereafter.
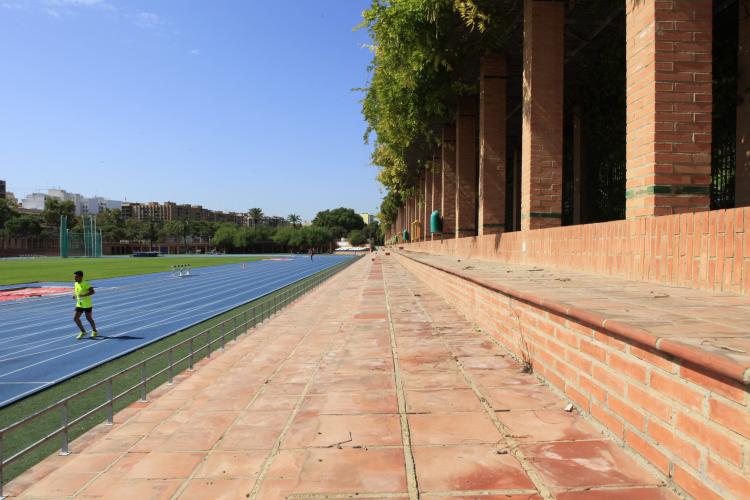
x,y
196,346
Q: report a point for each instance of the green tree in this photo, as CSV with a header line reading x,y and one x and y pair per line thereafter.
x,y
339,220
24,226
244,239
150,232
54,209
224,237
255,214
356,237
6,212
294,219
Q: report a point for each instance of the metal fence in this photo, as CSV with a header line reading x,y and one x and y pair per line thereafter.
x,y
196,347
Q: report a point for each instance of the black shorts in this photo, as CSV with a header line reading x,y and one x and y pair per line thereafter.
x,y
84,309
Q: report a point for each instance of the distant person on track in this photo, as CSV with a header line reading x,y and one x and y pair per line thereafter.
x,y
82,295
311,252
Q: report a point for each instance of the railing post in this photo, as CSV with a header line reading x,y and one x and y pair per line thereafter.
x,y
170,379
144,395
255,318
244,321
111,400
223,336
235,327
208,333
64,424
192,352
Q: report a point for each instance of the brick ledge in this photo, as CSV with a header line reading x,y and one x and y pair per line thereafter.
x,y
703,359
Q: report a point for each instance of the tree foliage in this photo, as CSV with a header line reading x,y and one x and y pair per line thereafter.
x,y
54,209
425,55
339,220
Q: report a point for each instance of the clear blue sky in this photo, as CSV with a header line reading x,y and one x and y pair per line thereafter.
x,y
230,104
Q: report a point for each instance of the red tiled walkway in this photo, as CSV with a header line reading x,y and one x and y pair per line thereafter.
x,y
371,387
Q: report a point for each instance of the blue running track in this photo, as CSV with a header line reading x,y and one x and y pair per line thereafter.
x,y
37,336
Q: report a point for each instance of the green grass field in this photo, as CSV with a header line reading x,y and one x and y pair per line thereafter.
x,y
254,312
13,271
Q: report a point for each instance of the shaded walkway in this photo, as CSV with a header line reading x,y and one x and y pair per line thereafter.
x,y
370,387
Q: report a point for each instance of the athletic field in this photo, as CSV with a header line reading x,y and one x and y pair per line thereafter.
x,y
56,269
37,342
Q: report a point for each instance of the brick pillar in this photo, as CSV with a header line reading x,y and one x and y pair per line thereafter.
x,y
466,167
742,179
448,200
427,207
437,185
668,107
418,209
492,82
541,155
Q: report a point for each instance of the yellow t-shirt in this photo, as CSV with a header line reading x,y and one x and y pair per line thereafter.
x,y
80,289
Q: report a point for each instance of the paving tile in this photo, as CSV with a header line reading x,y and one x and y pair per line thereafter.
x,y
351,402
59,484
524,496
353,471
87,463
530,397
442,401
586,464
453,428
310,430
129,489
547,425
157,465
434,380
620,494
467,468
216,489
231,464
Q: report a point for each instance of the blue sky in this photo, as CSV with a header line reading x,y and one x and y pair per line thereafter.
x,y
230,104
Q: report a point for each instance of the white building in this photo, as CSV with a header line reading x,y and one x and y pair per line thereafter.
x,y
84,205
366,217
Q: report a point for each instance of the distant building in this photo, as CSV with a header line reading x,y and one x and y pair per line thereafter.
x,y
83,205
169,210
367,217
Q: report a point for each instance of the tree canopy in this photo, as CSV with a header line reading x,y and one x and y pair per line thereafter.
x,y
425,55
339,220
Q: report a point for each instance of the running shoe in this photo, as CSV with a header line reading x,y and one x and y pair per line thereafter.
x,y
94,334
80,335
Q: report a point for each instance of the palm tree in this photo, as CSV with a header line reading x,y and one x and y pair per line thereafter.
x,y
293,219
255,214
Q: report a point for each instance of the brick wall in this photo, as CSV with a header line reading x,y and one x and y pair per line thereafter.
x,y
693,428
705,250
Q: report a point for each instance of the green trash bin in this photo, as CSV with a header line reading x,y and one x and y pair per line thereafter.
x,y
405,235
436,222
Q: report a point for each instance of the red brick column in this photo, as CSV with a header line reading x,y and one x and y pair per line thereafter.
x,y
427,207
437,185
418,209
742,180
668,107
466,167
492,82
541,155
448,199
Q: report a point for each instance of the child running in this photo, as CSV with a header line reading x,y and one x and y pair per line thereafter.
x,y
82,296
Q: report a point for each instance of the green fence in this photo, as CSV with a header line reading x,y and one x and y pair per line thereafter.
x,y
84,243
